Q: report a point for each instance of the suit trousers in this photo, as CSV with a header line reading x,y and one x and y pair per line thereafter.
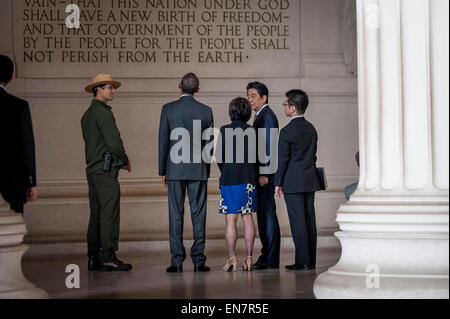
x,y
104,221
197,191
302,218
268,226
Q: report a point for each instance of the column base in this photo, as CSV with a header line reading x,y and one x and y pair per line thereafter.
x,y
387,266
332,285
13,284
24,293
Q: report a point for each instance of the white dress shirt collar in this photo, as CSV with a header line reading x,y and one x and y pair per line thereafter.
x,y
3,87
257,113
295,117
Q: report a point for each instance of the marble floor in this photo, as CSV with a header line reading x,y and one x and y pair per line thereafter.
x,y
148,279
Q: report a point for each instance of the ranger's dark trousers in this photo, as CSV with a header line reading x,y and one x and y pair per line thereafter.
x,y
268,226
104,222
197,201
302,218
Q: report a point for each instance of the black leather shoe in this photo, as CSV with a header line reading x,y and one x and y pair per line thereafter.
x,y
260,261
272,266
175,269
266,266
93,263
299,267
201,268
259,266
114,265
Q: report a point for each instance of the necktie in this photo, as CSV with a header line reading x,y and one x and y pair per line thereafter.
x,y
254,119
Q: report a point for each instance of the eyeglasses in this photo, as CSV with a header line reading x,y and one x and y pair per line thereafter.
x,y
109,87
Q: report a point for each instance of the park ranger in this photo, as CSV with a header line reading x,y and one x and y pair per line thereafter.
x,y
105,156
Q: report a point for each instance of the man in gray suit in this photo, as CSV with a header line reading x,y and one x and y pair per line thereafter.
x,y
182,127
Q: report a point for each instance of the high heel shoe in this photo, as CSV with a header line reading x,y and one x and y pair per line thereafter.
x,y
248,264
231,265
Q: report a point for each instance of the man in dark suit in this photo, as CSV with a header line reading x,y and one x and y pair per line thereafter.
x,y
182,126
296,178
268,226
18,164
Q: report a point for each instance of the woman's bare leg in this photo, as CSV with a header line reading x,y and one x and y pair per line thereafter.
x,y
231,234
249,227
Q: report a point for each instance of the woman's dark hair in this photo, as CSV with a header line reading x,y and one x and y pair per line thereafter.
x,y
6,69
240,109
260,88
299,99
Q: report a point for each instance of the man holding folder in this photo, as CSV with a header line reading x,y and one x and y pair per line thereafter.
x,y
296,178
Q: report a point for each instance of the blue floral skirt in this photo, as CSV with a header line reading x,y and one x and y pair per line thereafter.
x,y
238,199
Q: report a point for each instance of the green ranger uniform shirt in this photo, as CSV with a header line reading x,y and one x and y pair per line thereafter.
x,y
101,135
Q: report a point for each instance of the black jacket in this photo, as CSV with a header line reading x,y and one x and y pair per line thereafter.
x,y
297,148
17,158
178,118
101,135
242,170
266,119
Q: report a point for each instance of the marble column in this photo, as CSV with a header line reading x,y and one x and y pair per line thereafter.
x,y
13,284
394,229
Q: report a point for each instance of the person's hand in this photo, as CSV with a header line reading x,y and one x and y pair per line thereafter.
x,y
127,168
279,191
164,181
263,181
32,194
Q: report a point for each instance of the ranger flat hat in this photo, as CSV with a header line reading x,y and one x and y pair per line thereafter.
x,y
101,79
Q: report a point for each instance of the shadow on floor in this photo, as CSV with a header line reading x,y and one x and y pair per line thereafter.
x,y
148,279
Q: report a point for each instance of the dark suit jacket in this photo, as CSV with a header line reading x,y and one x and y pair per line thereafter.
x,y
297,148
17,159
236,173
266,119
181,115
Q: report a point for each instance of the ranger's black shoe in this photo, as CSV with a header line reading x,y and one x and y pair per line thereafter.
x,y
115,265
93,263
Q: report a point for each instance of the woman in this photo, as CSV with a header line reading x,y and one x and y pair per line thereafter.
x,y
237,163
